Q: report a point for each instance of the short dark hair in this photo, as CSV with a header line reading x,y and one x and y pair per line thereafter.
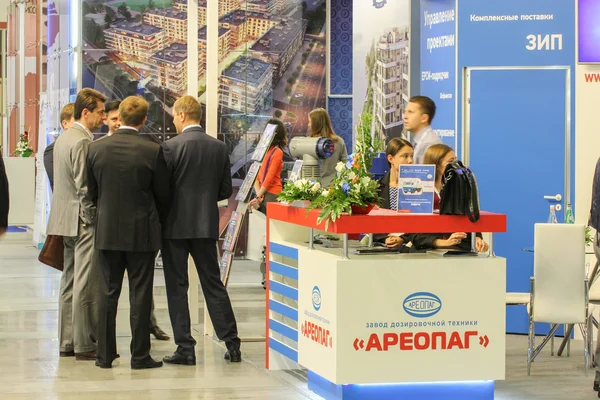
x,y
87,99
427,105
112,106
280,137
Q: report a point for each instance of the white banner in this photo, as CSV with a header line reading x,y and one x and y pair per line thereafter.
x,y
381,51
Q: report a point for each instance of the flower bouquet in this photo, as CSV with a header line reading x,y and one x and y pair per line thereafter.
x,y
352,192
299,192
23,149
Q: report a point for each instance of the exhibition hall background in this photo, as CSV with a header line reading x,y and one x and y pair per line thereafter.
x,y
502,102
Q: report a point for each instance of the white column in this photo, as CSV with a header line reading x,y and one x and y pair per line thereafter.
x,y
21,69
212,66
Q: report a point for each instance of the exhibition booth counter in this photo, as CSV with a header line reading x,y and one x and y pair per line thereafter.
x,y
384,325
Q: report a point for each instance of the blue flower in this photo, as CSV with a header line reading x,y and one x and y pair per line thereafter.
x,y
345,187
350,161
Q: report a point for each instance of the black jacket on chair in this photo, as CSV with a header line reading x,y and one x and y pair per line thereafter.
x,y
384,202
129,183
201,177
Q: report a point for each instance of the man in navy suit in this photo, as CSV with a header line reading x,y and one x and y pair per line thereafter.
x,y
201,177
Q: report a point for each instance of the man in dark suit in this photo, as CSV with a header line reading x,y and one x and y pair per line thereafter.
x,y
129,183
67,119
200,169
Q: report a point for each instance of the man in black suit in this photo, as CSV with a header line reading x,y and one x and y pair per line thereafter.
x,y
67,119
4,198
129,183
201,177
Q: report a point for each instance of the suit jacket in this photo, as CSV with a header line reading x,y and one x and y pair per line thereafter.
x,y
4,197
70,202
201,176
129,183
49,163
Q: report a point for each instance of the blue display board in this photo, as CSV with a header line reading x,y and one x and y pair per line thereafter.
x,y
438,64
516,63
416,187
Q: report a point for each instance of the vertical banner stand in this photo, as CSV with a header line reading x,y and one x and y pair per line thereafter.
x,y
232,232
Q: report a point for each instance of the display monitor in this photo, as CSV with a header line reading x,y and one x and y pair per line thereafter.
x,y
588,31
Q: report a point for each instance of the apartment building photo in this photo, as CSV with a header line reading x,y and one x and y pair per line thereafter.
x,y
390,82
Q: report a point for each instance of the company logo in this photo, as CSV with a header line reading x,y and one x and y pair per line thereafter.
x,y
317,334
316,298
421,304
408,341
379,3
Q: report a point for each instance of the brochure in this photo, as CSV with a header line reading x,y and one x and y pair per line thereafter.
x,y
296,171
225,266
246,187
416,187
233,230
264,143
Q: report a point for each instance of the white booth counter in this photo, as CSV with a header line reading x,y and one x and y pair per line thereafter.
x,y
384,325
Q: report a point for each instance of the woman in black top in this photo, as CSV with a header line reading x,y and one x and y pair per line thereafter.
x,y
398,152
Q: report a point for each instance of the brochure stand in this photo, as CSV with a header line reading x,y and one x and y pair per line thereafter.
x,y
232,232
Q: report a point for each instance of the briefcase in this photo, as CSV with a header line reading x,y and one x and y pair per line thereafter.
x,y
53,252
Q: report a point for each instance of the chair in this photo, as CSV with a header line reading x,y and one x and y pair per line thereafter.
x,y
559,287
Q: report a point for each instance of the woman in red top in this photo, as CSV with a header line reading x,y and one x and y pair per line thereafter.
x,y
268,182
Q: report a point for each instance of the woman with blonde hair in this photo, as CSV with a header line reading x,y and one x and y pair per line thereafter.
x,y
441,155
319,125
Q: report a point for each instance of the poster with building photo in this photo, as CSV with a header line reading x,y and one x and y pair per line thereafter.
x,y
274,67
138,47
381,31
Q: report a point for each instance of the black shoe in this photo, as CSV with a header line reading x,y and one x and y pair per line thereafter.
x,y
233,355
103,365
159,334
149,363
180,359
597,383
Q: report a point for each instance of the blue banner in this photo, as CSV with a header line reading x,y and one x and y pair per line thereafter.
x,y
438,64
516,33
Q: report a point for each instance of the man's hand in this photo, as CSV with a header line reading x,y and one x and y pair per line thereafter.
x,y
481,246
2,231
453,240
393,241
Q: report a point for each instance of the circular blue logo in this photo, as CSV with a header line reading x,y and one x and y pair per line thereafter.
x,y
316,298
422,304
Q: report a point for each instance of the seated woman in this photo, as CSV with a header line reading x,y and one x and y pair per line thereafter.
x,y
441,155
398,152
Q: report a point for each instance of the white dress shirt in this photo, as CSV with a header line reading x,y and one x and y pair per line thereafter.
x,y
191,126
422,141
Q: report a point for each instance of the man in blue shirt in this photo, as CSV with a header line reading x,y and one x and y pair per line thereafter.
x,y
417,119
